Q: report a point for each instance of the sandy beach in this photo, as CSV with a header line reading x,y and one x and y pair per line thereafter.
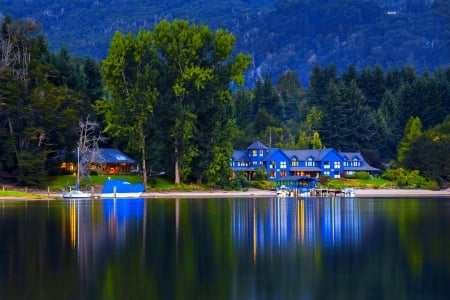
x,y
255,193
252,193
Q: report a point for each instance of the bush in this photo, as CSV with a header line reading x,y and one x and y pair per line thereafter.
x,y
263,185
359,175
240,181
409,179
261,173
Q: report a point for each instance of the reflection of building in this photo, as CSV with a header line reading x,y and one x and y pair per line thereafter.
x,y
311,221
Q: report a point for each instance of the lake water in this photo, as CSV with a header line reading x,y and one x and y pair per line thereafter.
x,y
312,248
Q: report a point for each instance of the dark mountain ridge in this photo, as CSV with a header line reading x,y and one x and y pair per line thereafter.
x,y
280,35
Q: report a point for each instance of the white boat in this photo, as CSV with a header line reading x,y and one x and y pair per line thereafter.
x,y
282,191
349,192
75,191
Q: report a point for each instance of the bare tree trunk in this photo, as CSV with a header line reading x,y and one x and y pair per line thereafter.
x,y
177,164
144,164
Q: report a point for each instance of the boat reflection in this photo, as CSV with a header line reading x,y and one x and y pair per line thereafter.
x,y
95,228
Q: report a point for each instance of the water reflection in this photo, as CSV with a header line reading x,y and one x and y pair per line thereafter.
x,y
307,248
308,221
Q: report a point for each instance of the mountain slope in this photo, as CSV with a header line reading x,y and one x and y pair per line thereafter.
x,y
280,35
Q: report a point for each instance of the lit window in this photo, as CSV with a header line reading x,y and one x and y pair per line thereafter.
x,y
273,164
283,165
294,162
254,152
272,174
309,162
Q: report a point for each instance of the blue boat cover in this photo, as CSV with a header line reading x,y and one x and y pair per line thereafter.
x,y
122,186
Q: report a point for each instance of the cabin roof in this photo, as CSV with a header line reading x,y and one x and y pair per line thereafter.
x,y
111,155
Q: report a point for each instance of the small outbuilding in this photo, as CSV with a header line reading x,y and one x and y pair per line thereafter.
x,y
106,161
111,161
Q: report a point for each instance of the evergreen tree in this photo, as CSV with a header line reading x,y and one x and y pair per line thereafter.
x,y
413,130
37,115
292,95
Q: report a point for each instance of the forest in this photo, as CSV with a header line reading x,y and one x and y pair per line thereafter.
x,y
279,35
174,99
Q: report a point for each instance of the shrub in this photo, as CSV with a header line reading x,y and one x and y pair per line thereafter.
x,y
362,175
240,181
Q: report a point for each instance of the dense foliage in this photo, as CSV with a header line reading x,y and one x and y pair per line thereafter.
x,y
180,106
172,85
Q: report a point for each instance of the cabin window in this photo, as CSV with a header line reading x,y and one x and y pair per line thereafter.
x,y
272,174
283,164
356,163
326,165
261,153
337,164
255,163
273,164
326,173
309,162
283,173
294,162
254,152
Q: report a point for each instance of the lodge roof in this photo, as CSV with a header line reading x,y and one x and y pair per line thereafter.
x,y
110,155
257,146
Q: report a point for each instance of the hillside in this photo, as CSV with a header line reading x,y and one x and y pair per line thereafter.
x,y
280,35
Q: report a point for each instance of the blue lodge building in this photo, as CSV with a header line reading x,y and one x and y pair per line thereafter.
x,y
284,163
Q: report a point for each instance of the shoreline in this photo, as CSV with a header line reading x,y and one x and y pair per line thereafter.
x,y
252,193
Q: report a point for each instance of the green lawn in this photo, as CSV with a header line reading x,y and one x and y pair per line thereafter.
x,y
63,181
374,183
58,183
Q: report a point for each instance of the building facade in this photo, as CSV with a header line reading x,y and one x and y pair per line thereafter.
x,y
281,163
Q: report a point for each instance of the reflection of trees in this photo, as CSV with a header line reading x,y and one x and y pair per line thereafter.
x,y
411,223
33,258
227,248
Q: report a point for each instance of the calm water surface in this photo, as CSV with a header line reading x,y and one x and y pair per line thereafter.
x,y
319,248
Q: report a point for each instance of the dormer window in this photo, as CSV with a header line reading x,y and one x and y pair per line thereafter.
x,y
294,162
310,162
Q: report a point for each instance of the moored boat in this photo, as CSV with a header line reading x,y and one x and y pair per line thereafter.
x,y
75,191
117,188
